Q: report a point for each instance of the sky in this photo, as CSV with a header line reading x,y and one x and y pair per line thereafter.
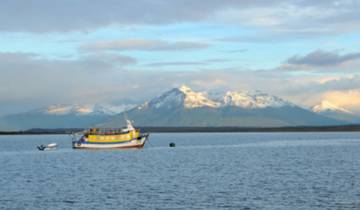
x,y
118,52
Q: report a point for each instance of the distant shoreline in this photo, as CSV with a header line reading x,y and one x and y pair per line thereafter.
x,y
344,128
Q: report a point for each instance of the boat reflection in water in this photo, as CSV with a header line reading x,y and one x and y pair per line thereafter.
x,y
97,138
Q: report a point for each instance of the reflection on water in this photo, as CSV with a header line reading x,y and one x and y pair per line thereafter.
x,y
203,171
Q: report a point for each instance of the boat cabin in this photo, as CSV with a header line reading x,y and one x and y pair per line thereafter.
x,y
108,131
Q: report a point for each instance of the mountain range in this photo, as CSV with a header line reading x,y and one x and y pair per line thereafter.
x,y
184,107
61,116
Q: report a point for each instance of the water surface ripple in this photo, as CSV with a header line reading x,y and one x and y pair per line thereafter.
x,y
203,171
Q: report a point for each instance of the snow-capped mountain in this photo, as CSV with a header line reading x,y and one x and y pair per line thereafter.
x,y
87,109
62,116
187,98
182,96
326,106
179,107
328,109
185,107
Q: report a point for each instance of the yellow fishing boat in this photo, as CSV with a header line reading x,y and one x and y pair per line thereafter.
x,y
100,138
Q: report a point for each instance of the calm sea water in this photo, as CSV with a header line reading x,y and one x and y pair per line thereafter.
x,y
203,171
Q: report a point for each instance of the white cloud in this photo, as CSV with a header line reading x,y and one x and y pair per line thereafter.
x,y
275,15
143,45
349,99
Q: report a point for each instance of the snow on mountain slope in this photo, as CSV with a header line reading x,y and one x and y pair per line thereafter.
x,y
169,99
187,98
327,109
185,107
178,97
326,106
253,101
182,96
56,110
197,99
84,109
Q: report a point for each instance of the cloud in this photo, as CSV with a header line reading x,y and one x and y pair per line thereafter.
x,y
309,90
112,58
188,63
36,79
297,17
31,80
278,36
322,58
235,51
290,16
319,59
69,15
258,38
94,79
143,45
341,83
183,63
217,60
349,99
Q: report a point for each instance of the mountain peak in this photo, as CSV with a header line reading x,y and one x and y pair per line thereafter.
x,y
185,89
182,96
326,106
196,99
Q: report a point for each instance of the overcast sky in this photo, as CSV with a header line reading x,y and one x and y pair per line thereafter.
x,y
114,51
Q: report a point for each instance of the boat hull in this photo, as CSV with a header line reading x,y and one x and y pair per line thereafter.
x,y
134,143
51,146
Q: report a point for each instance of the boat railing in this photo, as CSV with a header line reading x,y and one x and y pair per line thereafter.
x,y
108,131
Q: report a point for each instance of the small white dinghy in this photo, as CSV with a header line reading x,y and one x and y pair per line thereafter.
x,y
43,147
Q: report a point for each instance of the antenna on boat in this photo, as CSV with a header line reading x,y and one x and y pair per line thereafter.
x,y
126,118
